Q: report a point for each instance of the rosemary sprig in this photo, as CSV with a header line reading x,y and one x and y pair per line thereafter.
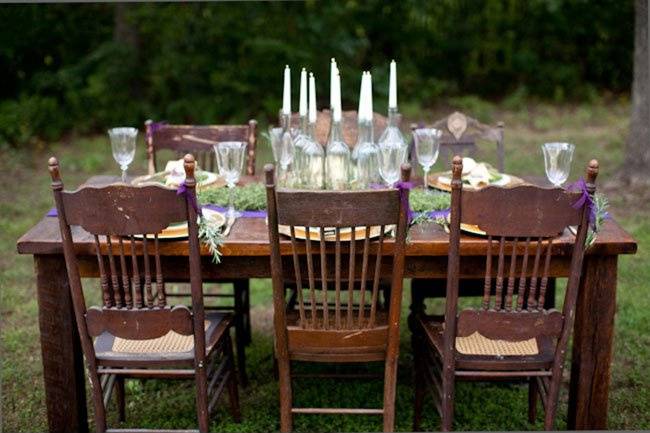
x,y
600,215
211,235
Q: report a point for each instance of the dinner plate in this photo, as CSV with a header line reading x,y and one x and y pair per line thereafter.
x,y
442,181
179,230
345,234
212,180
468,228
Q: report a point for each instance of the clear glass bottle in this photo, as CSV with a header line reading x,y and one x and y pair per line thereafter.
x,y
392,136
337,159
300,141
313,161
366,156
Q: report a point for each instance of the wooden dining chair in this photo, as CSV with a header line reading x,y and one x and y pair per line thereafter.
x,y
337,332
349,124
199,140
135,333
460,134
510,335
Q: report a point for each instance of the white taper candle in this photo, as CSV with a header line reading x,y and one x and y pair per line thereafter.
x,y
312,98
286,95
392,88
333,71
303,93
336,107
362,97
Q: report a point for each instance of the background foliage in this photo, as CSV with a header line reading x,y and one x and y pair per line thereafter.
x,y
84,67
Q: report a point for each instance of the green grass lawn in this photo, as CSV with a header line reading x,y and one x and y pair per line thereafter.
x,y
598,131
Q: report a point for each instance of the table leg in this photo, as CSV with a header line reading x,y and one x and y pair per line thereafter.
x,y
63,367
592,344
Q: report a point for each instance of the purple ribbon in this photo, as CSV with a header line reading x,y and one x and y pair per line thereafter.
x,y
52,213
182,190
585,199
154,127
443,213
244,214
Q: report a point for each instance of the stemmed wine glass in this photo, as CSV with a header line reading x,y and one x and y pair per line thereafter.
x,y
230,158
123,145
282,147
390,160
557,161
427,145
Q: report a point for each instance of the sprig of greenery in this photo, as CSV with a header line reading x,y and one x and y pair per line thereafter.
x,y
600,210
247,197
211,235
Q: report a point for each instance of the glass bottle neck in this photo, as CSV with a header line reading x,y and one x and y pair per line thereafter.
x,y
304,125
285,121
336,132
393,117
366,132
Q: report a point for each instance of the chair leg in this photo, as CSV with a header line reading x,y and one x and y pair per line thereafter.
x,y
286,398
447,399
390,385
202,399
246,295
121,401
418,380
233,392
551,400
240,332
532,399
98,400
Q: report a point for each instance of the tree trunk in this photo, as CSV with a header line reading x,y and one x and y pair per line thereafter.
x,y
637,158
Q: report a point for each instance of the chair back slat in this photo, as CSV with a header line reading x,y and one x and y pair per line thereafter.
x,y
337,277
119,214
323,278
126,284
376,278
148,291
521,290
296,267
160,284
337,208
511,276
524,213
199,140
351,278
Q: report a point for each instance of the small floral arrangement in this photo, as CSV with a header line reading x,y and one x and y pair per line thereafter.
x,y
247,197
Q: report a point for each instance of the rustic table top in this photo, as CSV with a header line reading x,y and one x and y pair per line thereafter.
x,y
249,237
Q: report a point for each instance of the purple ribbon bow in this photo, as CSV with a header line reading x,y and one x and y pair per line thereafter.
x,y
182,190
585,199
154,127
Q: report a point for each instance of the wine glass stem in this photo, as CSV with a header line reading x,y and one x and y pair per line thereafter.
x,y
124,175
231,201
426,177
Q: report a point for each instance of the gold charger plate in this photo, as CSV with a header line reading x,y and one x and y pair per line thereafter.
x,y
330,235
439,181
179,230
213,180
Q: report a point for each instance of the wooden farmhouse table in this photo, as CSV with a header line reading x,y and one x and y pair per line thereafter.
x,y
246,255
